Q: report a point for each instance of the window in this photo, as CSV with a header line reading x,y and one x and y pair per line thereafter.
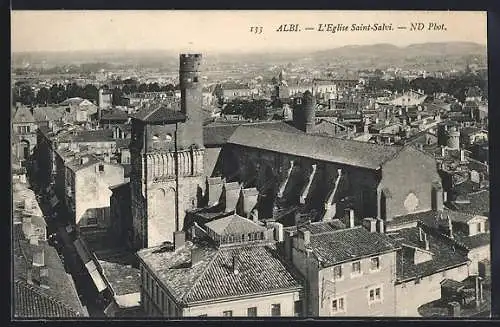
x,y
337,272
356,268
101,168
374,263
275,310
27,129
375,295
228,313
338,305
479,227
252,312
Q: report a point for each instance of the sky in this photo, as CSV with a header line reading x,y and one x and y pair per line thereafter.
x,y
229,31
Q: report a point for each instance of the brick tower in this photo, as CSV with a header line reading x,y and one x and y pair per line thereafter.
x,y
167,155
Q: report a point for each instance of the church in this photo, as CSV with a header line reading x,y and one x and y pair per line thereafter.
x,y
294,175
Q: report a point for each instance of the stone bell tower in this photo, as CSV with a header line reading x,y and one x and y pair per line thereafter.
x,y
167,155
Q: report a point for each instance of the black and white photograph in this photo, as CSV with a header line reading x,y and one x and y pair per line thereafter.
x,y
201,164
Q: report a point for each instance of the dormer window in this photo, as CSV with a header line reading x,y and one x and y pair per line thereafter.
x,y
168,137
155,138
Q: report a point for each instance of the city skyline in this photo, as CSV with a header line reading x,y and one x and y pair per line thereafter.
x,y
208,31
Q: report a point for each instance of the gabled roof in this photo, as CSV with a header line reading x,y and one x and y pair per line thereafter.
x,y
329,149
219,133
160,114
114,114
30,302
445,256
23,115
48,113
211,278
349,244
234,224
77,101
61,287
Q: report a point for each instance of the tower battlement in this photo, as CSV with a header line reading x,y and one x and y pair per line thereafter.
x,y
190,62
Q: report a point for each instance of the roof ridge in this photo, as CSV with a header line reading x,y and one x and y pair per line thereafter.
x,y
50,298
208,265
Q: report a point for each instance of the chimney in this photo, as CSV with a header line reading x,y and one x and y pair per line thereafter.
x,y
248,200
443,151
214,186
370,224
462,155
196,255
179,239
29,274
38,256
254,215
445,197
84,160
232,194
437,198
236,265
349,218
380,226
420,234
27,227
306,237
450,227
426,242
278,232
44,277
454,309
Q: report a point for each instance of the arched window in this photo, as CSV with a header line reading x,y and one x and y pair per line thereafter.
x,y
168,137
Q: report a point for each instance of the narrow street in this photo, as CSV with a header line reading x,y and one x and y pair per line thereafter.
x,y
55,219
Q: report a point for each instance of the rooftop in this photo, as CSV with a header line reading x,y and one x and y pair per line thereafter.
x,y
161,114
348,244
445,255
61,288
119,272
114,114
211,277
348,152
23,115
234,224
219,133
30,302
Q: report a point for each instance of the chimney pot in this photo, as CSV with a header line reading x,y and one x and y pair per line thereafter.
x,y
179,239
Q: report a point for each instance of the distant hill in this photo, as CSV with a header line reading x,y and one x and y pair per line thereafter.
x,y
375,53
414,50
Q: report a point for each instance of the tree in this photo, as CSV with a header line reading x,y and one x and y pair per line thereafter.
x,y
154,87
27,96
43,96
117,96
91,92
142,88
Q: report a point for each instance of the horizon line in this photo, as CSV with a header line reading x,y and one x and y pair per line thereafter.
x,y
279,49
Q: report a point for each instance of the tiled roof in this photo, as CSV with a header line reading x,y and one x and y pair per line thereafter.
x,y
60,285
234,224
160,114
29,302
212,278
119,272
348,152
114,114
479,204
445,255
48,113
101,135
219,133
348,244
23,115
